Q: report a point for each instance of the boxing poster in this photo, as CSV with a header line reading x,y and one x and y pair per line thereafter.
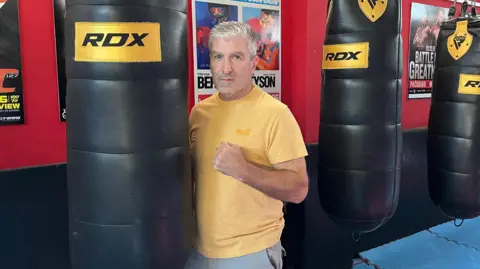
x,y
11,86
59,17
424,27
264,18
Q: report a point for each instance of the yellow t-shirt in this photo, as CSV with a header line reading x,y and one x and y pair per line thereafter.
x,y
234,219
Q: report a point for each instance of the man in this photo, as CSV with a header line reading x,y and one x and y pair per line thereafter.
x,y
248,157
266,28
436,27
423,37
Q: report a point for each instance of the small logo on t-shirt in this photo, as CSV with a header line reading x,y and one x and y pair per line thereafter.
x,y
243,131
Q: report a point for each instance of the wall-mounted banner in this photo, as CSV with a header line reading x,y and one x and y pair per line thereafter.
x,y
11,90
424,27
264,18
59,16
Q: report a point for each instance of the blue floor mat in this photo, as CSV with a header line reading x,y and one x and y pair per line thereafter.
x,y
468,234
428,250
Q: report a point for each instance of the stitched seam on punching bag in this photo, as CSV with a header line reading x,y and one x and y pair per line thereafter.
x,y
399,54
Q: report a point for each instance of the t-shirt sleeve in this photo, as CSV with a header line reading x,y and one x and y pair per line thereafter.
x,y
285,141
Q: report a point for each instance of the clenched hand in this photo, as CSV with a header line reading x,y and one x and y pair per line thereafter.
x,y
229,160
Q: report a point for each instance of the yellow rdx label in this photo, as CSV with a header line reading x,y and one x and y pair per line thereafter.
x,y
469,84
346,56
117,42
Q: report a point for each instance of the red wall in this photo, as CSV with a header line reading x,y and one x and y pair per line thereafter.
x,y
41,141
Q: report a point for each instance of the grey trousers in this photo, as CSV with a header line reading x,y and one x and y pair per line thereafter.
x,y
270,258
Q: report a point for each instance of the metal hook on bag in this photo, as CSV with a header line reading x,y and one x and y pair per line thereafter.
x,y
452,10
473,9
463,10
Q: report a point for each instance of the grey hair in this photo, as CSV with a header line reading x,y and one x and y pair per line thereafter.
x,y
234,29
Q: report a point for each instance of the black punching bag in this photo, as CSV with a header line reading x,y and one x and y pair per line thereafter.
x,y
360,138
9,35
454,122
127,134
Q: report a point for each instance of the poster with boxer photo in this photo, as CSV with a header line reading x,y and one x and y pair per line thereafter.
x,y
59,17
264,18
11,86
424,27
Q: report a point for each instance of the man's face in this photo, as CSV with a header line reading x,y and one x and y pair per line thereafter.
x,y
267,21
231,64
440,17
424,21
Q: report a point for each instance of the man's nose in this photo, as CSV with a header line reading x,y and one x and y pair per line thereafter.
x,y
226,66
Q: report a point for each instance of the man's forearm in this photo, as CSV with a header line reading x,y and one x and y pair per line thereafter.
x,y
282,185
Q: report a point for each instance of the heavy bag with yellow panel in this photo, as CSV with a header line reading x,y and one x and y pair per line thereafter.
x,y
360,138
127,134
454,122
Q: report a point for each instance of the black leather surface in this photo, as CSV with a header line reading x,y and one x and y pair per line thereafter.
x,y
360,140
454,126
9,39
128,169
313,241
415,211
120,132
